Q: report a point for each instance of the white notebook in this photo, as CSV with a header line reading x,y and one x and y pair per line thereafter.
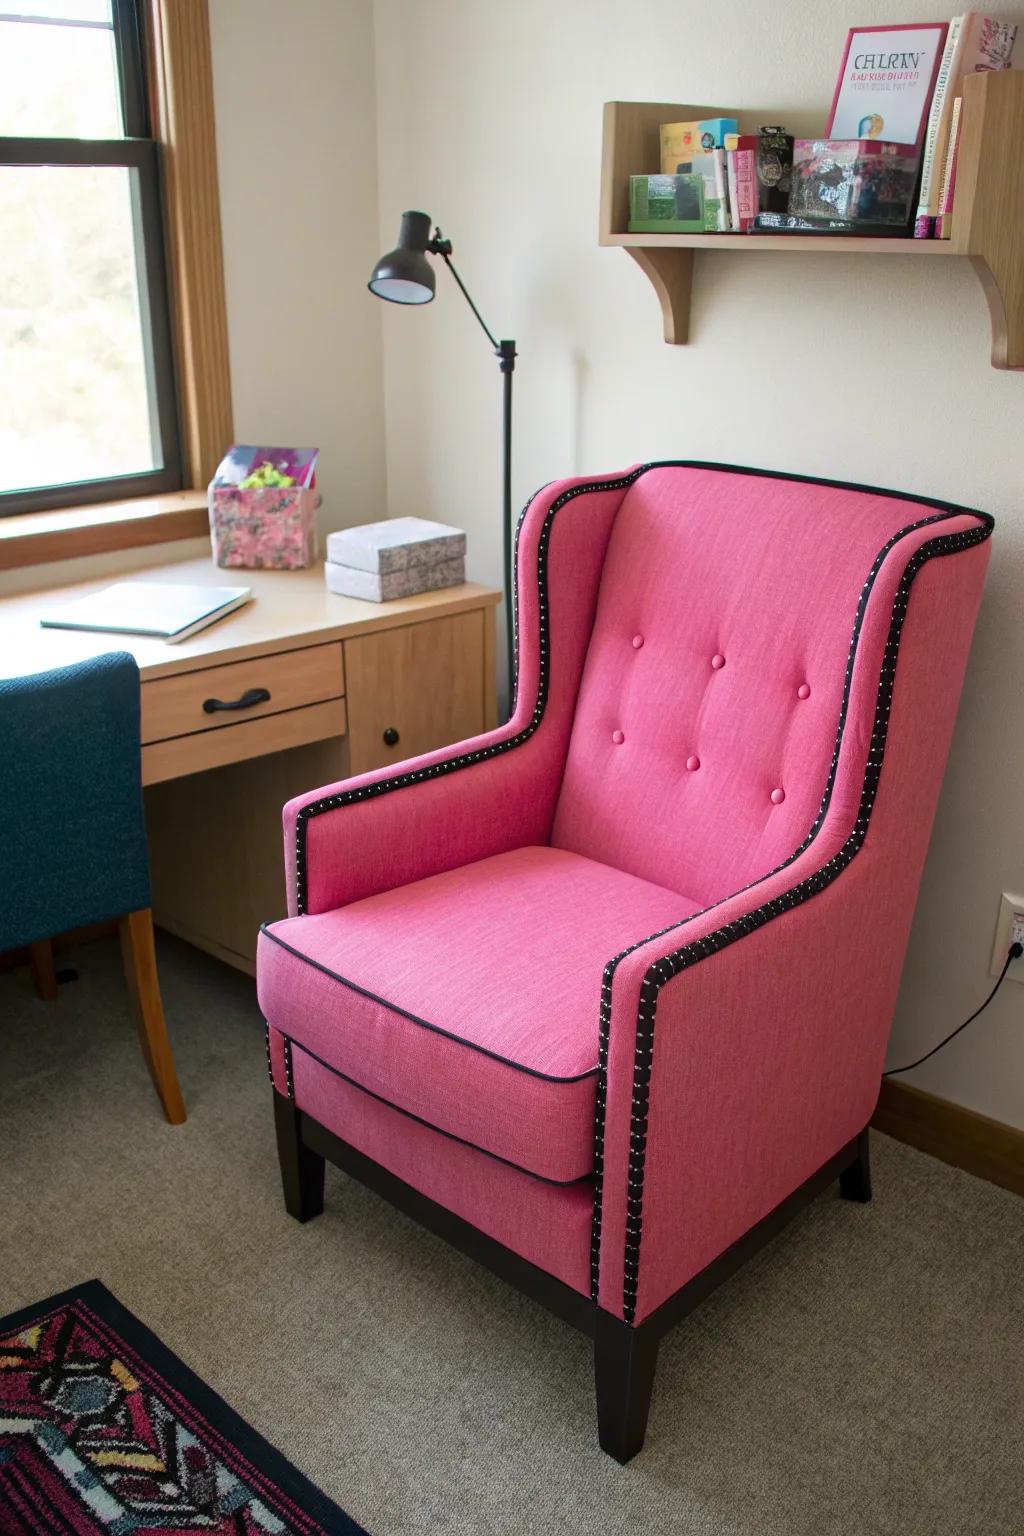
x,y
166,610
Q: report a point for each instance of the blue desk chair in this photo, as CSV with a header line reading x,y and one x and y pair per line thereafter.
x,y
72,832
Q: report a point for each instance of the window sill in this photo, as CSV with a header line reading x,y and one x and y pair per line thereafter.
x,y
36,538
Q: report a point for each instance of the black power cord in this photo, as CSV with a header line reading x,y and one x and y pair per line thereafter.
x,y
1015,952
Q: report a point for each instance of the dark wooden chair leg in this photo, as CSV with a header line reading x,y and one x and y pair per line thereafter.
x,y
855,1181
139,955
302,1171
624,1364
44,977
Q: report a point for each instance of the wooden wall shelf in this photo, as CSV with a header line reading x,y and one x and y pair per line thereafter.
x,y
988,214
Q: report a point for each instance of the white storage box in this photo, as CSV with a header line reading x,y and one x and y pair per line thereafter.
x,y
395,558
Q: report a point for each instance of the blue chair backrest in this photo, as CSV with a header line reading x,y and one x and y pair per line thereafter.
x,y
72,837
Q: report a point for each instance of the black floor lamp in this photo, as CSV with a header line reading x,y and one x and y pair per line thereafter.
x,y
405,276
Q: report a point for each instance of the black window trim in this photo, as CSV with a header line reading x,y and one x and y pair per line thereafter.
x,y
140,154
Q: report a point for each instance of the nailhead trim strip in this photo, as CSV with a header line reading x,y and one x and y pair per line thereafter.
x,y
270,1064
681,959
289,1080
400,781
468,759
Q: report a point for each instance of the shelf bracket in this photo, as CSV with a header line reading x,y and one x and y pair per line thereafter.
x,y
989,207
671,274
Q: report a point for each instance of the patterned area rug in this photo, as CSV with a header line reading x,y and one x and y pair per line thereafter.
x,y
103,1432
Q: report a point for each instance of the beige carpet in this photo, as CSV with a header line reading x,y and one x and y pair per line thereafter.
x,y
865,1374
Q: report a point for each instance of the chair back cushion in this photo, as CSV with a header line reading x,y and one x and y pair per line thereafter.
x,y
70,786
717,672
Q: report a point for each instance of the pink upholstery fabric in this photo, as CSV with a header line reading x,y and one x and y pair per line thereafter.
x,y
548,1224
696,676
471,998
501,801
703,565
767,1056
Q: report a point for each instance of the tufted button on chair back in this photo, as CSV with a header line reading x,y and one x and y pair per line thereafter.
x,y
716,674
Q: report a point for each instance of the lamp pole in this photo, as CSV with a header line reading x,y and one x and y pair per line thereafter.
x,y
405,276
505,352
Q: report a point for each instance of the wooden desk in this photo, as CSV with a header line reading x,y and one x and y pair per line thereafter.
x,y
340,673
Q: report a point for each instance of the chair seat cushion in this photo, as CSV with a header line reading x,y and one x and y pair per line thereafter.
x,y
470,1000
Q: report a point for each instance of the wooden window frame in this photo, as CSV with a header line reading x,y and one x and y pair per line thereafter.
x,y
132,156
176,39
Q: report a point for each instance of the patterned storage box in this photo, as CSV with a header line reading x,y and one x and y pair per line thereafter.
x,y
266,529
395,558
263,506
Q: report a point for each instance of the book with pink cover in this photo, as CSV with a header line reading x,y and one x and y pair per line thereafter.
x,y
741,159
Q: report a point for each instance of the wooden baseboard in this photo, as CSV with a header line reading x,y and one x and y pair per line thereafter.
x,y
987,1148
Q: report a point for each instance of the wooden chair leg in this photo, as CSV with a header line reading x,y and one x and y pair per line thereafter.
x,y
624,1363
855,1181
139,954
302,1171
44,977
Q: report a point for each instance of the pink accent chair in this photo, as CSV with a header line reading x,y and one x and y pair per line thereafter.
x,y
603,996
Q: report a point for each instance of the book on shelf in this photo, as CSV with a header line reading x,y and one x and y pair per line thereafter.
x,y
722,212
974,43
759,167
886,82
695,148
741,166
797,224
681,141
944,220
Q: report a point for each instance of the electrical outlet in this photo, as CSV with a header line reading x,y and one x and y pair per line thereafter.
x,y
1009,930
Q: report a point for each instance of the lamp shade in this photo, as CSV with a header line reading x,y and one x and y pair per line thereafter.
x,y
404,275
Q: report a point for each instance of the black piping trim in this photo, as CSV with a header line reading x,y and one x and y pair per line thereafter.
x,y
944,509
429,1124
468,759
413,1018
669,966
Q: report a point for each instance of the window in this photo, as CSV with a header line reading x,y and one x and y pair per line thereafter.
x,y
87,398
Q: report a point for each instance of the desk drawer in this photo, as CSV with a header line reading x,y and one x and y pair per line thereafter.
x,y
174,706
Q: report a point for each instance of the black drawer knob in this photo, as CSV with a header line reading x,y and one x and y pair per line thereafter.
x,y
391,737
248,700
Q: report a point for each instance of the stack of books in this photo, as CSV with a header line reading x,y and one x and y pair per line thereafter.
x,y
973,43
712,178
886,164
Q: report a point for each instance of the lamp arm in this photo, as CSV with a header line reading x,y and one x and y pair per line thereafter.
x,y
465,294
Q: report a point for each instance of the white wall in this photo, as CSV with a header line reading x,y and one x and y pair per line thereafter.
x,y
297,154
874,369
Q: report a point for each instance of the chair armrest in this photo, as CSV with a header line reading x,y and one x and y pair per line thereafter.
x,y
743,1048
494,792
430,813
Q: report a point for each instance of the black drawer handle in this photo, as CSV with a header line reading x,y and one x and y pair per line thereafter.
x,y
391,737
249,699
